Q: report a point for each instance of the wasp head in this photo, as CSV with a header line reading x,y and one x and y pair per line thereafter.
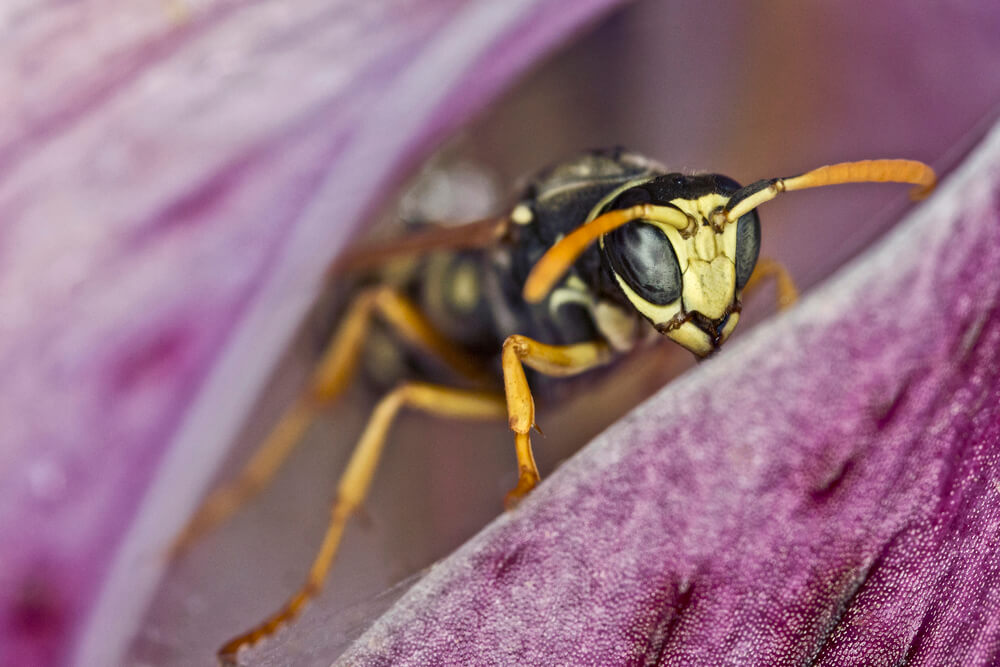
x,y
682,248
687,282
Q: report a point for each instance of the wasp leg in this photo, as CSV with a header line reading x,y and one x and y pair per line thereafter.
x,y
356,479
555,360
769,268
333,373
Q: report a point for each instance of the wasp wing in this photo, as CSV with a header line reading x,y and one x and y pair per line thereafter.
x,y
478,234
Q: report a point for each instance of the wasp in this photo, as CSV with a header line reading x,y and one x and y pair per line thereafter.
x,y
600,255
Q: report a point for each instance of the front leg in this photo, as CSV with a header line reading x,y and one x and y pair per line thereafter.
x,y
554,360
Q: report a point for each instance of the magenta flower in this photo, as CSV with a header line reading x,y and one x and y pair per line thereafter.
x,y
175,178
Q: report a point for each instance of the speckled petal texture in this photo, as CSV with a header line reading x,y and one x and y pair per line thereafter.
x,y
174,178
825,491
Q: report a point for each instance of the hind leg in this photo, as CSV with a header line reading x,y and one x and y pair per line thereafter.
x,y
335,370
356,480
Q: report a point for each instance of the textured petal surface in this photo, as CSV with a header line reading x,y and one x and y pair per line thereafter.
x,y
826,489
174,178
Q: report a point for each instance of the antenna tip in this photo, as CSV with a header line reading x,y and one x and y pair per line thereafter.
x,y
922,191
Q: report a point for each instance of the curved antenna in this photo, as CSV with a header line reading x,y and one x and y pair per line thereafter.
x,y
557,259
864,171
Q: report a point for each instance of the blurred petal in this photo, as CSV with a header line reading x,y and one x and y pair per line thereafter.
x,y
174,179
825,490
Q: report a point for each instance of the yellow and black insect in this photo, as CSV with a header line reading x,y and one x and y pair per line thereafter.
x,y
596,250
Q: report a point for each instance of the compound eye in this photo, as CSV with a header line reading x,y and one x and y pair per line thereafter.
x,y
747,247
644,258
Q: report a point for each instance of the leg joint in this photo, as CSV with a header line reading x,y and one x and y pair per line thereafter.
x,y
401,393
518,345
382,295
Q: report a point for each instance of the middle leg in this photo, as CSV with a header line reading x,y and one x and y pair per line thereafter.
x,y
330,378
769,268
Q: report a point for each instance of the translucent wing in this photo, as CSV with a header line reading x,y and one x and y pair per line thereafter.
x,y
478,234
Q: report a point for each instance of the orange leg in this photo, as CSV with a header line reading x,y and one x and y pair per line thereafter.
x,y
555,360
769,268
333,373
356,480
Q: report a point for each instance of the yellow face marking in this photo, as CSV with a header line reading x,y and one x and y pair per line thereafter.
x,y
709,287
702,207
708,271
653,312
727,243
694,339
704,244
691,338
709,274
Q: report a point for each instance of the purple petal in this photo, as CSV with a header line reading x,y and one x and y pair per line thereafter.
x,y
173,183
825,490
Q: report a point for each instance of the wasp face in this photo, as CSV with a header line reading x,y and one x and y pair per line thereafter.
x,y
687,283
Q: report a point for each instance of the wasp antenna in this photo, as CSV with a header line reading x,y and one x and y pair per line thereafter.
x,y
556,261
864,171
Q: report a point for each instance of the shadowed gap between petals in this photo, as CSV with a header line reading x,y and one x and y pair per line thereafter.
x,y
956,460
505,566
885,413
917,639
930,614
827,487
850,594
666,624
